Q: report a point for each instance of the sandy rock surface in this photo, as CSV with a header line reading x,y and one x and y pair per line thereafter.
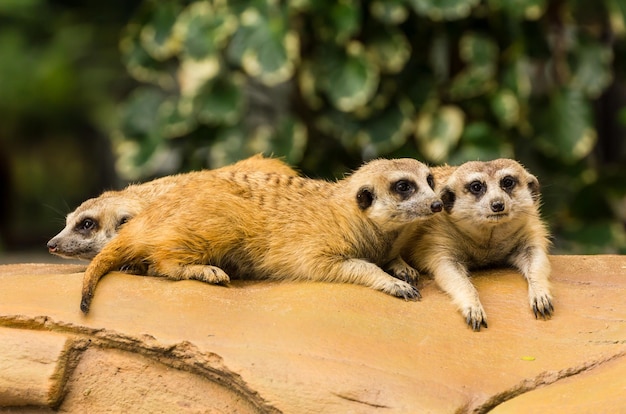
x,y
153,345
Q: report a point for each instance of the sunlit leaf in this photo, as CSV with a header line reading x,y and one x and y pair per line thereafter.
x,y
566,129
438,131
471,82
592,73
203,30
140,64
505,107
480,141
156,35
526,9
220,101
387,131
173,120
389,49
443,9
265,48
391,12
349,79
478,50
345,19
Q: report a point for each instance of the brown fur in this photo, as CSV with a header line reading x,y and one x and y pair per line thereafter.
x,y
276,227
473,233
97,221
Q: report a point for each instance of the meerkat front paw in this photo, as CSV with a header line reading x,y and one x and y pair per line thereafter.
x,y
541,304
400,269
475,317
403,290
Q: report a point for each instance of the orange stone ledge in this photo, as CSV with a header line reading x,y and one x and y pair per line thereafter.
x,y
154,345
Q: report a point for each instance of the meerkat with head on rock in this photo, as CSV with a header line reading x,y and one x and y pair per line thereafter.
x,y
97,221
273,226
491,217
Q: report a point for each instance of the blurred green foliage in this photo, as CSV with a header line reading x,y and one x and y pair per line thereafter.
x,y
328,83
325,84
60,78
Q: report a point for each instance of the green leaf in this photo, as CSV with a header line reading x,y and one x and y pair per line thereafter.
x,y
139,113
592,73
140,64
520,9
204,30
345,19
480,141
478,50
348,79
265,48
471,82
566,128
174,120
443,9
220,101
505,107
156,34
391,12
389,50
387,131
438,131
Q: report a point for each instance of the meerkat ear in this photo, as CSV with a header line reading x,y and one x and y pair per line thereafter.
x,y
448,198
533,187
364,198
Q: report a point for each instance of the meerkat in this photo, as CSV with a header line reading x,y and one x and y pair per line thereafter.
x,y
272,226
491,217
97,221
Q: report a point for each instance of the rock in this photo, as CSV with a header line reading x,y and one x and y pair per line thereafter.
x,y
155,345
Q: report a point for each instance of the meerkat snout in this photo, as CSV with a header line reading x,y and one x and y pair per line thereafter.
x,y
497,206
436,206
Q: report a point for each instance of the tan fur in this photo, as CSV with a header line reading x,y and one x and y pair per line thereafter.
x,y
470,235
96,221
276,227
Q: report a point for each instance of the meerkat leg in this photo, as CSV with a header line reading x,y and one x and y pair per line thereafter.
x,y
173,269
453,278
534,264
368,274
400,269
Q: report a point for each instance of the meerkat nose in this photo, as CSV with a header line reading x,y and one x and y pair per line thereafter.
x,y
52,245
497,206
436,206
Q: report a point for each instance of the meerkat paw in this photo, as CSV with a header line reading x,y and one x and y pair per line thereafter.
x,y
400,269
403,290
208,274
475,317
541,304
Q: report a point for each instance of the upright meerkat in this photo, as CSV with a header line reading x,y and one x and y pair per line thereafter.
x,y
96,221
276,227
491,218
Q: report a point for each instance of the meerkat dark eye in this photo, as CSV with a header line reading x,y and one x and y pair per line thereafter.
x,y
86,225
123,220
404,187
507,183
476,187
431,181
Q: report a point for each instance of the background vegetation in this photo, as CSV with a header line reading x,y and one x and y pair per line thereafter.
x,y
325,84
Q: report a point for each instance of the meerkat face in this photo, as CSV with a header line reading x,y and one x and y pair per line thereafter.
x,y
91,226
490,192
396,192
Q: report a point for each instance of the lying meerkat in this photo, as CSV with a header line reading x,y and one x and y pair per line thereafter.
x,y
491,218
96,221
275,226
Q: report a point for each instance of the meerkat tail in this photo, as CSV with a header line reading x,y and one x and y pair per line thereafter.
x,y
107,260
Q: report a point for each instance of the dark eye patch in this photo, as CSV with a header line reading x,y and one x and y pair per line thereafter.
x,y
431,181
508,183
404,188
477,187
86,225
